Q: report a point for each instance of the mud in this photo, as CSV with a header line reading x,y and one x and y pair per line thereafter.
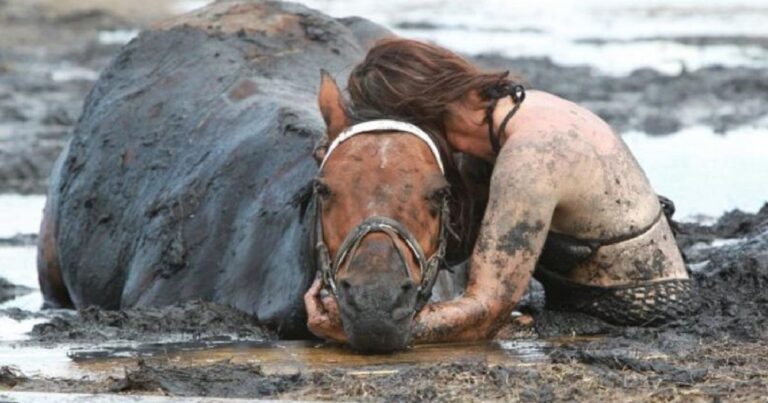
x,y
9,291
719,353
48,62
647,100
19,240
219,379
198,319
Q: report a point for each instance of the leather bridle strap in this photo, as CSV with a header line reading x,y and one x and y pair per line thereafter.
x,y
429,267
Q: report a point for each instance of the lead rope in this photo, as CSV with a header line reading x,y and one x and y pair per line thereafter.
x,y
517,93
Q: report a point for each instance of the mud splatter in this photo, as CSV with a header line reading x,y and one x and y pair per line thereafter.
x,y
519,238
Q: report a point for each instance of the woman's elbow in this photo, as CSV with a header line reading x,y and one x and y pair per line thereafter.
x,y
492,314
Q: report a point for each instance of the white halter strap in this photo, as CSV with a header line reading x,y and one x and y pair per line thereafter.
x,y
381,125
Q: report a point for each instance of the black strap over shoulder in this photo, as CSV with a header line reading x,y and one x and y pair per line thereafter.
x,y
517,93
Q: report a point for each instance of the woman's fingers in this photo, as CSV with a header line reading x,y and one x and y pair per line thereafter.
x,y
330,306
312,300
323,319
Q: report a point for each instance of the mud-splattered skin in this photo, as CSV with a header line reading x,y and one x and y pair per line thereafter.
x,y
561,169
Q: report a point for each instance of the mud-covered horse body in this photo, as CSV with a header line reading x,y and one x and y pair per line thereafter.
x,y
183,177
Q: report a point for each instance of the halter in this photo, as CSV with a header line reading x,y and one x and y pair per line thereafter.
x,y
392,228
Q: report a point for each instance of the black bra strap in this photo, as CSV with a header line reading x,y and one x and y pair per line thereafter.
x,y
489,118
517,93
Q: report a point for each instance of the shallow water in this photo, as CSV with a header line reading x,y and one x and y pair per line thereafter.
x,y
615,37
18,265
20,214
629,34
705,173
77,360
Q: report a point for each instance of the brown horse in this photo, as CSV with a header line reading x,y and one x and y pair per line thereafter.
x,y
382,202
187,180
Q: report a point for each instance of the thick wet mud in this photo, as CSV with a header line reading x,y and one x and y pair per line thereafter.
x,y
196,319
719,353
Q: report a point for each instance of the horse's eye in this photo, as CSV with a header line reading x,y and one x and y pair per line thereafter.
x,y
322,189
436,197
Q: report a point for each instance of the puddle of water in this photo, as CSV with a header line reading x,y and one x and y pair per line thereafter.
x,y
18,266
273,357
185,6
704,172
74,73
20,214
117,37
16,330
556,28
47,362
616,59
76,361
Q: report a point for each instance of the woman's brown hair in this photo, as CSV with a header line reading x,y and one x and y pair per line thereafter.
x,y
416,82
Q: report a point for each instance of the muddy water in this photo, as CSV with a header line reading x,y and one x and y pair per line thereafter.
x,y
295,356
285,357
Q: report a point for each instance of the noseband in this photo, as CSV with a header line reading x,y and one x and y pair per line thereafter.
x,y
377,224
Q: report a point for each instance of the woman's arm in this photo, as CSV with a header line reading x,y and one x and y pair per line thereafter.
x,y
522,200
524,193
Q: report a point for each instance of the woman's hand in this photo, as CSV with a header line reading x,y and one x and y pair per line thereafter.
x,y
323,317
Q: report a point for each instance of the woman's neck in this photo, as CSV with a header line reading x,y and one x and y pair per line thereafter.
x,y
473,137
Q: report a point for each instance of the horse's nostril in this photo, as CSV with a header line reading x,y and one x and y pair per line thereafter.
x,y
345,285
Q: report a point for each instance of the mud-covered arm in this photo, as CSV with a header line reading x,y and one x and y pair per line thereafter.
x,y
521,203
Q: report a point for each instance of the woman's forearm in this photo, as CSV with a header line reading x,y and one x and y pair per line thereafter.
x,y
464,319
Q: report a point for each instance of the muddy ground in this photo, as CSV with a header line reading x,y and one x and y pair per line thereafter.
x,y
50,57
720,353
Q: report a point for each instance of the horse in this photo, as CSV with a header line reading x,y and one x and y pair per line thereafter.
x,y
191,175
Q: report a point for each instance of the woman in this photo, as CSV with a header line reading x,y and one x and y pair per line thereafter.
x,y
568,203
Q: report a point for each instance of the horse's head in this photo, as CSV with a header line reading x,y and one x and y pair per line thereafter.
x,y
381,200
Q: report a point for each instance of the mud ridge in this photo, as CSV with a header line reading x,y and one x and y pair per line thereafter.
x,y
197,318
9,291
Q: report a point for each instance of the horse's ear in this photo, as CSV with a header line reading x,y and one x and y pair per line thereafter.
x,y
332,106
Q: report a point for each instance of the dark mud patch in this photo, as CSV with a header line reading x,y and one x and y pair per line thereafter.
x,y
220,380
198,319
19,240
694,40
9,291
49,60
648,101
734,224
10,377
